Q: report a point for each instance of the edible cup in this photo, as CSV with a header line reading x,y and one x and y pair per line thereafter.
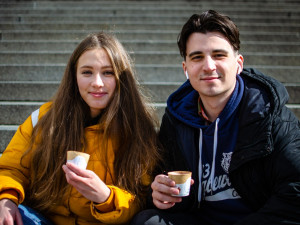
x,y
78,158
182,181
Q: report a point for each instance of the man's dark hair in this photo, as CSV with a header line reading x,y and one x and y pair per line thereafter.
x,y
209,21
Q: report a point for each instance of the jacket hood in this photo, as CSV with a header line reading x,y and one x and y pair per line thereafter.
x,y
183,104
273,89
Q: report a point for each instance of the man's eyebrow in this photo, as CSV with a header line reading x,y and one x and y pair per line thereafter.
x,y
200,52
220,50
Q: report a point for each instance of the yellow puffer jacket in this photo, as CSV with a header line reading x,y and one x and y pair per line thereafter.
x,y
118,209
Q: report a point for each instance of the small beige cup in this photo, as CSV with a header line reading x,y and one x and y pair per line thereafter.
x,y
182,181
78,158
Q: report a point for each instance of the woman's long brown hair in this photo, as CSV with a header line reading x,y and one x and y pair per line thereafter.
x,y
128,120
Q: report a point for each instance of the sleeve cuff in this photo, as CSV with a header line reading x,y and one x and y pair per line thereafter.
x,y
106,206
11,195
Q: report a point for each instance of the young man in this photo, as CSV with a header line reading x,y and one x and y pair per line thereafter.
x,y
231,128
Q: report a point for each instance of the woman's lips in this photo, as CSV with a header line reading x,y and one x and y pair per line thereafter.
x,y
98,94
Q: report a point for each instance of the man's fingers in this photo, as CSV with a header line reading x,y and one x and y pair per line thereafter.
x,y
192,181
162,197
163,205
162,188
163,179
164,184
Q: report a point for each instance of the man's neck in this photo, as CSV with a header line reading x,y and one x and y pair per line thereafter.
x,y
213,106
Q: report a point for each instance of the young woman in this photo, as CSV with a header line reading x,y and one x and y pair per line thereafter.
x,y
98,109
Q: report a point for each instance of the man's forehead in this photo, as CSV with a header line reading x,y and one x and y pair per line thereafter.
x,y
211,41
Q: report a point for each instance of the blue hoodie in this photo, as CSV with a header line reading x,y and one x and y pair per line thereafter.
x,y
216,144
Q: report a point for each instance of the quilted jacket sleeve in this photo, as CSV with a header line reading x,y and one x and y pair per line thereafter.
x,y
283,173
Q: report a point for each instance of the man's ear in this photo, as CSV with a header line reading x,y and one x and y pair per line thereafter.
x,y
240,62
186,74
239,69
185,70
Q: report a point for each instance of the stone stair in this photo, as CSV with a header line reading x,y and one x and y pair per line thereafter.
x,y
37,38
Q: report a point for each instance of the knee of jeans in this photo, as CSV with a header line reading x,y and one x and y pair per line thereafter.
x,y
146,217
31,217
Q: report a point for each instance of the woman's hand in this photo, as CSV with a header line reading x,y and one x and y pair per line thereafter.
x,y
87,183
9,213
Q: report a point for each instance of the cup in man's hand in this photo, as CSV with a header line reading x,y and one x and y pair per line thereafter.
x,y
182,181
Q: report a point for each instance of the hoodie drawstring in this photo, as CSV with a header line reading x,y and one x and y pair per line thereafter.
x,y
212,172
200,167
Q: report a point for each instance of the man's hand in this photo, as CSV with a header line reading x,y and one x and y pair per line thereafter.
x,y
87,183
163,187
9,213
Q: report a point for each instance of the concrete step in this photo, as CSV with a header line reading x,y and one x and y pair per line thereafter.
x,y
234,10
148,5
138,25
146,34
146,73
15,113
7,131
37,37
145,45
43,91
131,18
146,57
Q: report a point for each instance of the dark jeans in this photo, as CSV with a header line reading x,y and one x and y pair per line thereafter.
x,y
31,217
160,217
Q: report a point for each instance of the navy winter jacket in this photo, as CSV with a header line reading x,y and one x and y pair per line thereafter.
x,y
265,164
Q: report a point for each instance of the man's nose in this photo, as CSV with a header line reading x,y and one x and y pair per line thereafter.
x,y
209,64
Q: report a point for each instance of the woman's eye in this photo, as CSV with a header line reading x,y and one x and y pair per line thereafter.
x,y
109,73
87,72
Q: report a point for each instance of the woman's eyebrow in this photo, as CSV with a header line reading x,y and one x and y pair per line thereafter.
x,y
86,66
91,67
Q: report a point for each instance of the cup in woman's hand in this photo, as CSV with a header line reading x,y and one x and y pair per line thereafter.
x,y
78,158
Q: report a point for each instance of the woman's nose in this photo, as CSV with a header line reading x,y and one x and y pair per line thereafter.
x,y
97,81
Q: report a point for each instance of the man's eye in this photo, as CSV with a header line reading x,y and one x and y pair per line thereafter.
x,y
220,55
197,57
